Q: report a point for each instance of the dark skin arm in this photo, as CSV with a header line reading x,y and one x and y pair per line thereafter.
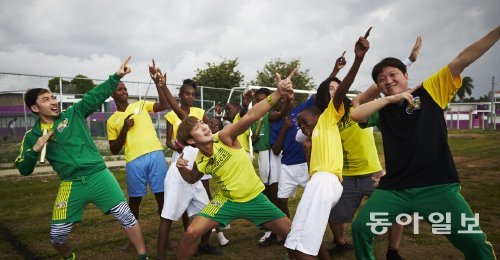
x,y
168,142
339,64
360,49
116,145
247,99
278,145
190,176
161,80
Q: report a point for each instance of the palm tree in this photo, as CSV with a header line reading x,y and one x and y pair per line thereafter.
x,y
465,89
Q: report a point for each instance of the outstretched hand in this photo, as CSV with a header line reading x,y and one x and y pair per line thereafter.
x,y
340,62
416,49
156,75
124,68
362,45
285,86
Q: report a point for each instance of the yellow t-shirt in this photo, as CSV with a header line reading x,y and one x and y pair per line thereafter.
x,y
175,121
360,152
326,152
232,170
243,138
141,137
439,87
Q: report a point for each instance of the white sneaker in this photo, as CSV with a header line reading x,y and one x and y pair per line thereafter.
x,y
222,239
265,236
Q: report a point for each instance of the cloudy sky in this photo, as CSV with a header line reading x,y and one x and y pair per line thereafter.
x,y
56,37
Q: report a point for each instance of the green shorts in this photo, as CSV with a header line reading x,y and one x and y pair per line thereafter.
x,y
259,210
100,188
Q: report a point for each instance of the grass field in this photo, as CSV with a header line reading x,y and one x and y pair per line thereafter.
x,y
26,205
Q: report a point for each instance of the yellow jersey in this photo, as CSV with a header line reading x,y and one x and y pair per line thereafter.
x,y
360,152
232,170
141,137
326,152
243,139
175,121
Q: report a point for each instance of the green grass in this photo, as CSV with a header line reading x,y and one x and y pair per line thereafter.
x,y
26,207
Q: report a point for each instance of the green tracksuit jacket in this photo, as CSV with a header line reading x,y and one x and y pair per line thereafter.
x,y
71,150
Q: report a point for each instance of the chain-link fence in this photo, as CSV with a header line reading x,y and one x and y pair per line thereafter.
x,y
16,118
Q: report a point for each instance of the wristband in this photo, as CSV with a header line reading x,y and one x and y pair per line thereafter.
x,y
270,101
407,62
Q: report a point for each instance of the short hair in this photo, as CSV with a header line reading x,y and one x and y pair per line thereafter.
x,y
32,94
387,62
183,132
187,83
219,122
311,110
264,91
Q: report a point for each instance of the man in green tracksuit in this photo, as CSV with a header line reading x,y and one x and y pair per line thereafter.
x,y
74,156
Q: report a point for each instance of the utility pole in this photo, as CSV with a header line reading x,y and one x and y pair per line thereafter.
x,y
493,115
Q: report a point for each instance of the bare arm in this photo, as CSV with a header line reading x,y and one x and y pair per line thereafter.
x,y
366,96
364,111
473,52
360,49
161,80
116,145
190,176
278,145
339,64
229,133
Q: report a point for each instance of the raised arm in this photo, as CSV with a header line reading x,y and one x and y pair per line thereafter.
x,y
160,80
473,52
162,97
233,130
96,96
373,92
360,49
339,64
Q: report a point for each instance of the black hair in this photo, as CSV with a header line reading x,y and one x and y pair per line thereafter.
x,y
187,83
323,98
31,95
264,91
219,122
312,110
387,62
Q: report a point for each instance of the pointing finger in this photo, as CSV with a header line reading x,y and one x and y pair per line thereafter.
x,y
343,54
125,63
368,32
292,73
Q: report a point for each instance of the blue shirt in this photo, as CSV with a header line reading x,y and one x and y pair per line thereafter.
x,y
293,152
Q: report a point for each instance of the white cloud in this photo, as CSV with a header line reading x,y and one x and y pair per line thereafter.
x,y
91,37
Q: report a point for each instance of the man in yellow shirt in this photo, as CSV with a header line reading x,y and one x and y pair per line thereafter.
x,y
324,188
131,126
240,189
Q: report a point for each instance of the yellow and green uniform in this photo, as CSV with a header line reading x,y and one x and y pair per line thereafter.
x,y
240,189
326,152
141,138
74,157
231,169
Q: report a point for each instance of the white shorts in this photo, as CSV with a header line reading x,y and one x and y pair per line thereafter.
x,y
292,176
269,167
179,195
309,224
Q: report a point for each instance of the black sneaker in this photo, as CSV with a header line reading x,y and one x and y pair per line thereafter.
x,y
393,255
270,241
207,249
340,249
